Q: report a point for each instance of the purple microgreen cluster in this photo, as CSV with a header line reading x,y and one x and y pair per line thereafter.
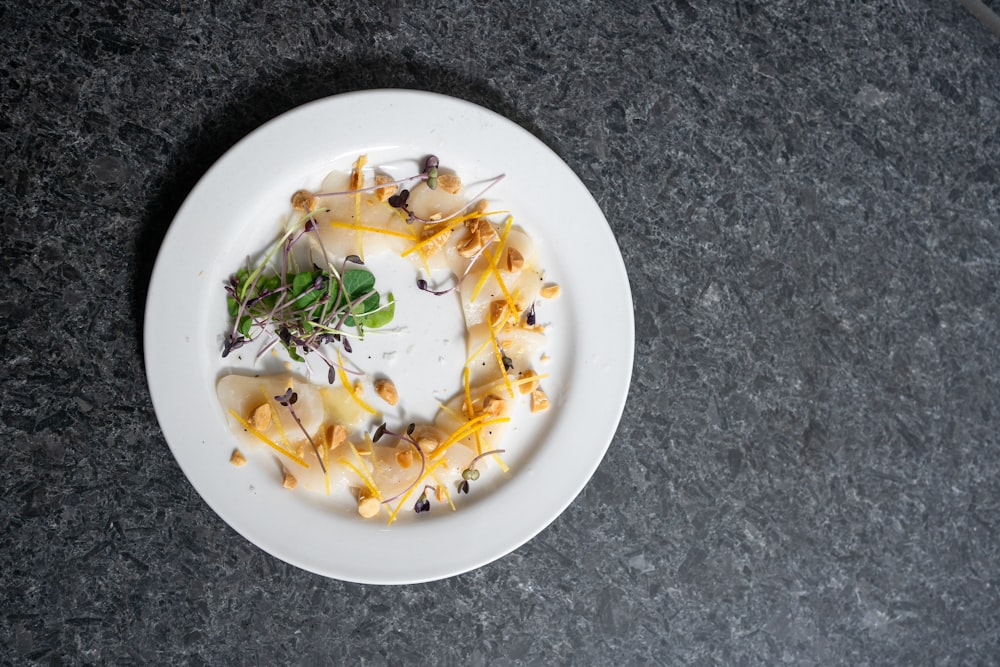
x,y
303,310
287,400
423,504
471,473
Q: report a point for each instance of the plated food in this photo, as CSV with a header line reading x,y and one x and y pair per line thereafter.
x,y
311,297
241,207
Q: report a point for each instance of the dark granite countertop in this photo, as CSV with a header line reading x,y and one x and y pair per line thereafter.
x,y
807,197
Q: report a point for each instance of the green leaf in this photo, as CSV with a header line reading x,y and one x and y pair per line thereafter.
x,y
244,327
358,282
233,305
293,354
300,281
366,306
382,316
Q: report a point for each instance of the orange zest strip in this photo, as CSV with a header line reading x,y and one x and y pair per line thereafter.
x,y
478,423
350,388
418,485
347,464
493,257
468,393
368,479
357,181
374,230
503,369
477,352
273,405
266,440
452,224
444,489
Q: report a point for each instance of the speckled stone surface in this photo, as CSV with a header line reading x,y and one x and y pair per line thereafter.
x,y
807,196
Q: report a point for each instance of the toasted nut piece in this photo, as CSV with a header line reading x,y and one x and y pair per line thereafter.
x,y
531,382
260,417
481,206
368,506
439,493
335,435
288,481
506,343
428,443
439,232
383,193
493,405
499,312
515,260
550,291
237,459
359,388
357,176
386,389
450,183
471,246
486,231
539,401
405,458
303,200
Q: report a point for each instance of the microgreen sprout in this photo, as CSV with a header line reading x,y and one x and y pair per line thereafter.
x,y
423,286
530,318
287,400
423,504
407,437
471,474
303,309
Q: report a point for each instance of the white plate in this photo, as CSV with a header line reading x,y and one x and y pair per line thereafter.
x,y
235,211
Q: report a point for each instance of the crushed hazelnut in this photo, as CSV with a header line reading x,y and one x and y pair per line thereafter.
x,y
470,247
440,232
531,382
359,388
515,260
499,312
260,417
386,389
383,193
439,493
335,435
428,443
539,401
550,291
450,183
303,200
481,206
357,180
368,506
404,458
288,481
493,405
237,459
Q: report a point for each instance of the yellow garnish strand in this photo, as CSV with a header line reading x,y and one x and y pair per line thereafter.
x,y
493,260
326,467
266,440
347,464
499,356
476,353
417,485
468,393
350,388
478,423
273,405
374,230
368,479
357,181
452,224
444,489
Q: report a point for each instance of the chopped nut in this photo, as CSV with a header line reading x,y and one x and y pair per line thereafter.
x,y
506,343
440,234
386,389
539,401
303,200
486,231
450,183
260,417
481,206
439,493
383,193
368,506
428,443
237,459
550,291
471,246
335,435
357,180
515,260
288,481
359,388
405,458
499,312
530,383
493,405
